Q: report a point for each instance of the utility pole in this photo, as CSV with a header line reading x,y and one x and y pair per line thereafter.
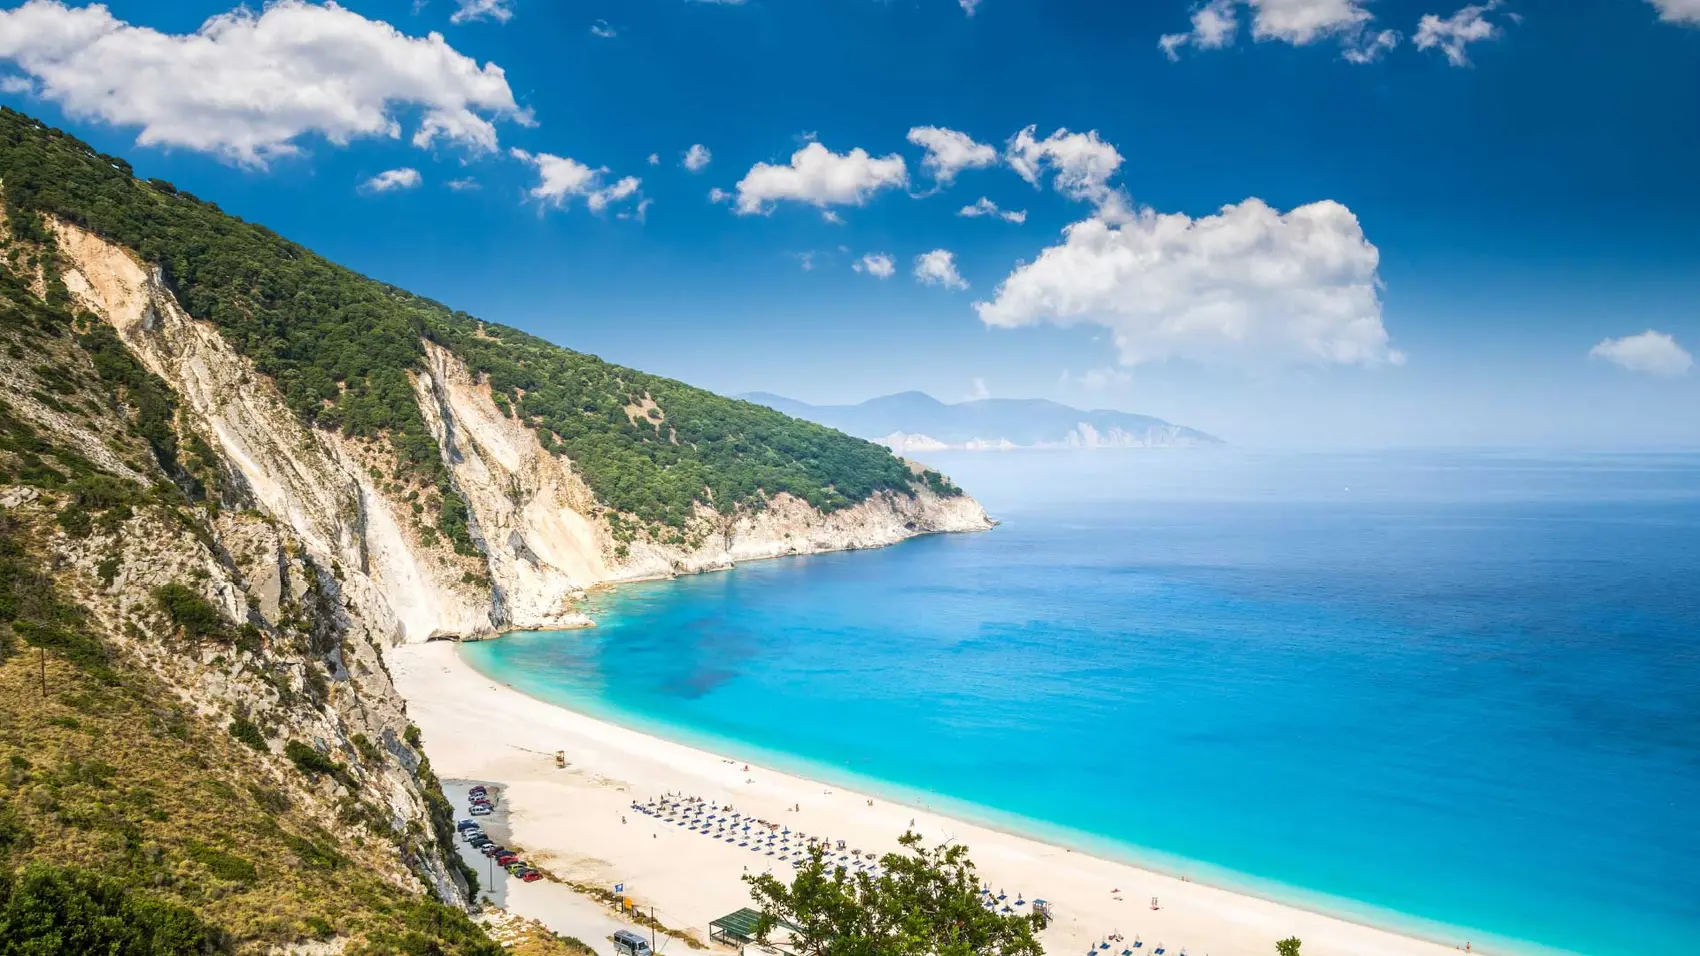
x,y
43,651
652,928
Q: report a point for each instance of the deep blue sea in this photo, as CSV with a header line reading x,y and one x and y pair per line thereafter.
x,y
1457,693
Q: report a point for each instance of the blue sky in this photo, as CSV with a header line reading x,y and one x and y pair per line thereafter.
x,y
1469,227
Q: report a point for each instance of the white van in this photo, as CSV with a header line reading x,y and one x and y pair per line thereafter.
x,y
628,943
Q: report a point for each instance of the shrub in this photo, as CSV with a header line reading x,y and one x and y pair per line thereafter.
x,y
192,614
50,909
245,730
309,761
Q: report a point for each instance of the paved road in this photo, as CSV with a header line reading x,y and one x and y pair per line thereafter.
x,y
556,906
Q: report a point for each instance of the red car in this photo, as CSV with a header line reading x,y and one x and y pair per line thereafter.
x,y
505,859
531,876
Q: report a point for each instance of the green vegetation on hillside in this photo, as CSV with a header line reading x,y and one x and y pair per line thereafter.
x,y
340,347
103,772
130,823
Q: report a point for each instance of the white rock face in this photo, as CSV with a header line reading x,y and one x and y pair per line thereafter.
x,y
528,508
303,477
547,540
544,537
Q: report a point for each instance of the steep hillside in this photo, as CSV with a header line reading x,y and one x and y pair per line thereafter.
x,y
915,421
232,475
473,476
200,747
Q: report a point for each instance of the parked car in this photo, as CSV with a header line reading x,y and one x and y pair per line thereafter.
x,y
471,835
503,859
481,802
481,839
478,791
516,868
467,825
481,810
530,875
493,850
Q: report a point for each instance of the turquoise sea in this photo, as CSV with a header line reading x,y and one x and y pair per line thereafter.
x,y
1457,693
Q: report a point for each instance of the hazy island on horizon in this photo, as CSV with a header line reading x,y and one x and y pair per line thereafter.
x,y
914,421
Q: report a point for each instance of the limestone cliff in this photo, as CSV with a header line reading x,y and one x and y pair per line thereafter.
x,y
542,537
161,605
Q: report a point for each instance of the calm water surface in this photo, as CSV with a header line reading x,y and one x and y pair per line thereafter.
x,y
1442,691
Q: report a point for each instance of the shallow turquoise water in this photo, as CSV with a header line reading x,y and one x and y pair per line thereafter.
x,y
1459,693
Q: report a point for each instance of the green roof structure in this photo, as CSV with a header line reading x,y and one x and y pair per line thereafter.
x,y
739,928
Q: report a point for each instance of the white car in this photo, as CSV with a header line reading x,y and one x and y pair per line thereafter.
x,y
480,810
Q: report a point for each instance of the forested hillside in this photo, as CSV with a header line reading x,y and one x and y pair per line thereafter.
x,y
341,346
192,760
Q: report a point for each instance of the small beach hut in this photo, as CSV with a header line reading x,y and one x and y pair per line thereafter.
x,y
739,929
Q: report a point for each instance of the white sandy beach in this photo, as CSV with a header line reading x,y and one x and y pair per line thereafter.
x,y
569,822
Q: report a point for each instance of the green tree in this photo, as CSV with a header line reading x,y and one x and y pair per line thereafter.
x,y
1288,946
926,902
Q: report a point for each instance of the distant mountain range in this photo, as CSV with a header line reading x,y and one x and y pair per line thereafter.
x,y
916,421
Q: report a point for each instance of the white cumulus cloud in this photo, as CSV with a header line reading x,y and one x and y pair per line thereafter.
x,y
1247,285
500,11
877,264
820,177
393,179
968,6
247,86
950,152
560,179
1678,11
985,207
697,157
602,29
1213,27
1080,164
1298,22
939,268
1450,35
1652,353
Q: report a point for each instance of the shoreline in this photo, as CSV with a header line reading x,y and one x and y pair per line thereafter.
x,y
609,584
577,822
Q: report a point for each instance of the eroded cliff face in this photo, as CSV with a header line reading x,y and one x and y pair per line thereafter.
x,y
286,645
311,480
547,539
543,536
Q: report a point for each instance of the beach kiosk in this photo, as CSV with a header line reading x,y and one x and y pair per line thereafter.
x,y
739,929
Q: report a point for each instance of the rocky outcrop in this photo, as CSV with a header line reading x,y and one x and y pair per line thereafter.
x,y
527,506
308,479
543,537
292,651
